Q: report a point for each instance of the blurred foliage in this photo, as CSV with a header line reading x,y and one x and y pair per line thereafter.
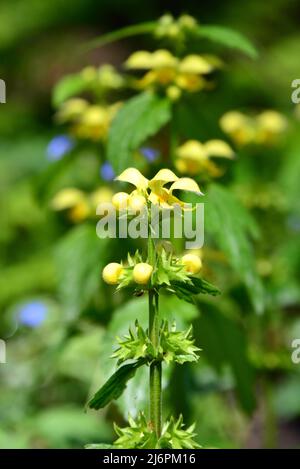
x,y
245,378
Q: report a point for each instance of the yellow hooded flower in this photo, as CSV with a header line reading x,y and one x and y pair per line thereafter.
x,y
154,190
264,128
94,122
194,157
74,201
167,70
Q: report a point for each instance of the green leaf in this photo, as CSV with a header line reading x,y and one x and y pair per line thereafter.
x,y
79,256
187,291
231,225
122,33
223,342
141,117
228,37
68,86
114,387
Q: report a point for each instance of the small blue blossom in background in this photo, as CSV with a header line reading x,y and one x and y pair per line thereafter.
x,y
107,172
32,314
59,146
151,154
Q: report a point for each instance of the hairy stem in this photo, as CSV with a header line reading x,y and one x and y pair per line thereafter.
x,y
155,367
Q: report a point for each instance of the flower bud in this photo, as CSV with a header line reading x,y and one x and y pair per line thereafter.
x,y
112,272
120,200
137,202
192,263
142,273
173,92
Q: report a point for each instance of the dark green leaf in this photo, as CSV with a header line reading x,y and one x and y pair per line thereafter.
x,y
141,117
114,387
187,291
228,37
231,225
223,342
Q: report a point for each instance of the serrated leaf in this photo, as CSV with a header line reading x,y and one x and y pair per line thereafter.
x,y
231,226
228,37
68,86
114,387
141,117
188,290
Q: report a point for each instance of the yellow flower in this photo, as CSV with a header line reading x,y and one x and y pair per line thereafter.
x,y
142,273
154,189
74,201
101,195
264,128
112,272
270,125
194,157
151,60
94,122
71,109
167,70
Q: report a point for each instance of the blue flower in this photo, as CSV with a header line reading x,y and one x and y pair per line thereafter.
x,y
151,154
107,172
59,146
33,314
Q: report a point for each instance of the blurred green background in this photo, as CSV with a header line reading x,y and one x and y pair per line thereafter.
x,y
59,321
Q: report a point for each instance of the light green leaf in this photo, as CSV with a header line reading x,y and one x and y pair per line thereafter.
x,y
228,37
122,33
141,117
231,225
79,256
114,387
68,86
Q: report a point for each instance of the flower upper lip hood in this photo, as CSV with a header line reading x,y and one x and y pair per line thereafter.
x,y
158,193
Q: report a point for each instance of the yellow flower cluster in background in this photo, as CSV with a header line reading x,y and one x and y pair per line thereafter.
x,y
172,73
104,78
169,27
194,157
78,204
265,128
154,190
87,121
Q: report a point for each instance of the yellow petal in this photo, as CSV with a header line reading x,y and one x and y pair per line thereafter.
x,y
163,59
186,184
232,121
165,175
67,198
218,148
272,121
133,176
139,59
192,149
195,64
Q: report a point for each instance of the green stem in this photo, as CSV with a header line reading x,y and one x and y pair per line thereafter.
x,y
155,367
